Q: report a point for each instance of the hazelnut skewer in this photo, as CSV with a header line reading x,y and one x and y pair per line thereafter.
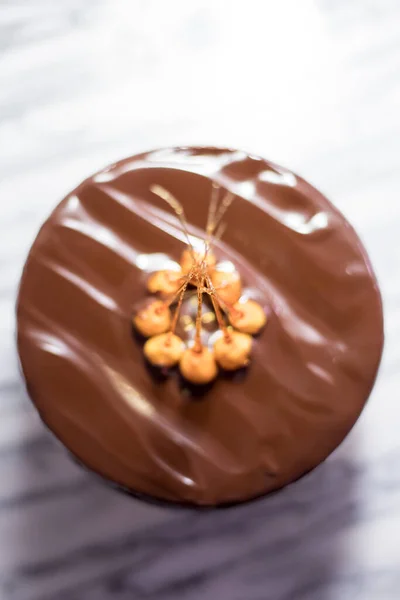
x,y
232,349
197,364
248,316
166,349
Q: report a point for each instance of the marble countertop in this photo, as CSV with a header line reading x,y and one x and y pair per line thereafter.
x,y
311,84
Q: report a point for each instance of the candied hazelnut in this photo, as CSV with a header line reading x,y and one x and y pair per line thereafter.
x,y
198,366
248,317
227,285
165,283
164,350
232,351
153,319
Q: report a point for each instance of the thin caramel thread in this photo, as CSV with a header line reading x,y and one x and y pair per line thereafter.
x,y
177,207
172,297
212,210
219,233
214,300
215,228
210,228
223,207
197,340
178,308
181,293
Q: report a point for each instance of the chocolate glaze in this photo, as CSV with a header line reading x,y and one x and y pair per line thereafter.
x,y
312,367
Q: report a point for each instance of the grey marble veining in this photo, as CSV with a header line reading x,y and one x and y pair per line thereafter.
x,y
312,84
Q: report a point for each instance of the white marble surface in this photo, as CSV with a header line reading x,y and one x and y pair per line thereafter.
x,y
312,84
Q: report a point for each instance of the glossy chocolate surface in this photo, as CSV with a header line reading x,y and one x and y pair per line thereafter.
x,y
312,367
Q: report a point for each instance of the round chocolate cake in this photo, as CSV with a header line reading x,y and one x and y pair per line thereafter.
x,y
166,430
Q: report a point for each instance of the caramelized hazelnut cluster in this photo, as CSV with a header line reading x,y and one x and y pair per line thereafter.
x,y
156,321
199,269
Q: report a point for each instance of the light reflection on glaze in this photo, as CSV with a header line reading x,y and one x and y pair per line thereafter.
x,y
130,395
284,178
297,222
156,261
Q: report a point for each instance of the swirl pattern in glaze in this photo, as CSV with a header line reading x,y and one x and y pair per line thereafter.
x,y
312,367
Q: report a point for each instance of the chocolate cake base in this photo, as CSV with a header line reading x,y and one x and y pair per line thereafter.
x,y
249,433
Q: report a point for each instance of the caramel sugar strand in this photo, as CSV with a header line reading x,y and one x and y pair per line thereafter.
x,y
217,310
178,308
197,339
